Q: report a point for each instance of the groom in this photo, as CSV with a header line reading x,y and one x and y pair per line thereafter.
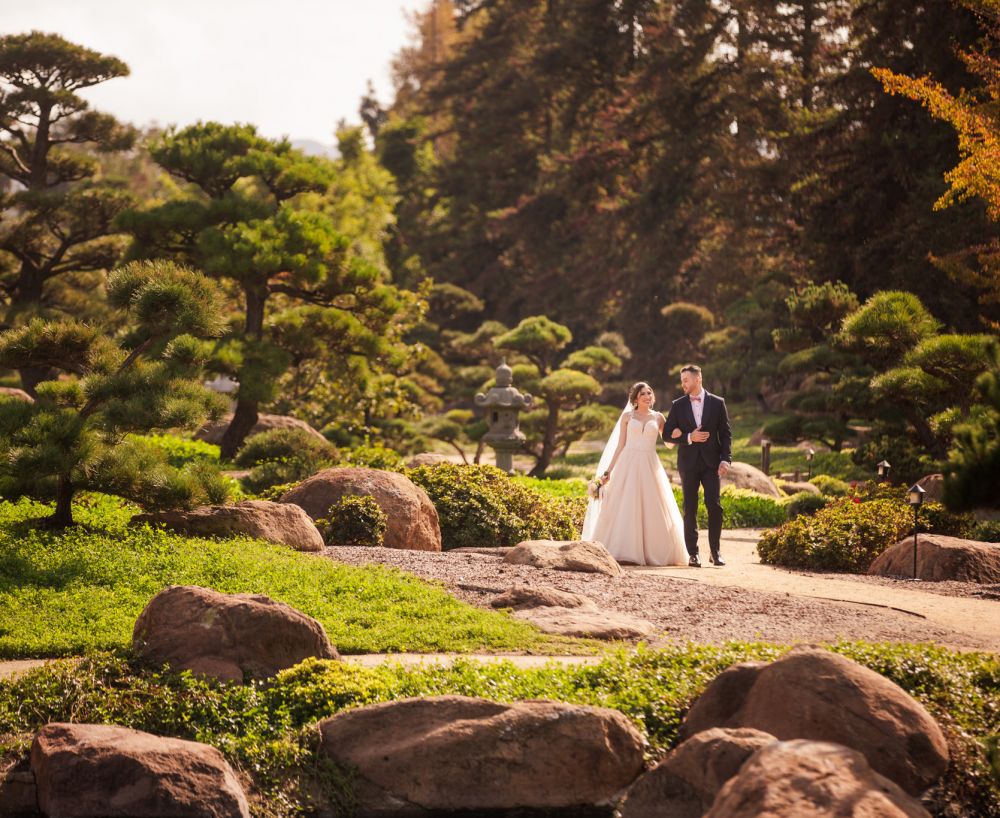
x,y
705,452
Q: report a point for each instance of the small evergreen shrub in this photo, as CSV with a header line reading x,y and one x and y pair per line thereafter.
x,y
482,506
741,508
803,502
283,456
986,531
831,486
373,457
180,451
354,520
845,536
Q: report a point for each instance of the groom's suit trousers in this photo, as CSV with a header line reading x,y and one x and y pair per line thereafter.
x,y
693,478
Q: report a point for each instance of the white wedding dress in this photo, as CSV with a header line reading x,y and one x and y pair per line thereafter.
x,y
637,516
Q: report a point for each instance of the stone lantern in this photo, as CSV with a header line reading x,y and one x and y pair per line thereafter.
x,y
502,403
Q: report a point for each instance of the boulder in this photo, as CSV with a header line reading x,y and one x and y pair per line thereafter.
x,y
941,558
102,771
16,394
213,432
745,476
791,779
791,487
18,794
226,636
282,523
578,555
411,519
456,753
588,623
686,782
819,695
567,614
427,459
933,486
524,596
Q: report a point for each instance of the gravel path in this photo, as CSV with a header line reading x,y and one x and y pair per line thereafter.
x,y
682,609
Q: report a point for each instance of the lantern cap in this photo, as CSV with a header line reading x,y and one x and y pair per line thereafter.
x,y
915,494
885,464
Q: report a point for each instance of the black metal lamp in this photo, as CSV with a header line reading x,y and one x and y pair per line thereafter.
x,y
883,469
810,454
915,497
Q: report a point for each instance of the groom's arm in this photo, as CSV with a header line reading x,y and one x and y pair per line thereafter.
x,y
725,435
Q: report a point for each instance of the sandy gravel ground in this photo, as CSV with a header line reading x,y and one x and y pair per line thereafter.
x,y
687,607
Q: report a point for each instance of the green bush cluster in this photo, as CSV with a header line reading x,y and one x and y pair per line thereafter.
x,y
354,520
180,451
263,729
280,456
831,486
482,506
741,508
986,531
803,503
373,457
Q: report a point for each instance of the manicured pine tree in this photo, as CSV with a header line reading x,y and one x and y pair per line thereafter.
x,y
74,435
57,214
255,218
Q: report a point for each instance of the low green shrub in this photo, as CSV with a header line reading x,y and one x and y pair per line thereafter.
x,y
831,486
482,506
786,429
282,456
262,729
373,457
180,450
986,531
803,503
845,536
354,520
556,487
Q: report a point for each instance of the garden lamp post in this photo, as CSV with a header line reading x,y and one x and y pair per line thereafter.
x,y
765,456
810,454
915,497
502,403
883,470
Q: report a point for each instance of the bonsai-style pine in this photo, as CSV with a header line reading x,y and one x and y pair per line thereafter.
x,y
74,436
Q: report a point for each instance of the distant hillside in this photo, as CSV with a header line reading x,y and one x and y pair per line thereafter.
x,y
312,147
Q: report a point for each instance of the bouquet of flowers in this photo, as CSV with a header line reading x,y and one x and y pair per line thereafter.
x,y
594,488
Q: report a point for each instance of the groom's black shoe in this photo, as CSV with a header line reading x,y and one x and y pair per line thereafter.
x,y
694,562
716,559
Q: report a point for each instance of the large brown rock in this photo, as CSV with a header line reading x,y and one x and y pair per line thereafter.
x,y
686,782
427,459
795,779
940,558
213,432
16,394
226,636
568,614
282,523
101,771
18,794
411,519
933,486
792,487
579,555
458,753
745,476
816,694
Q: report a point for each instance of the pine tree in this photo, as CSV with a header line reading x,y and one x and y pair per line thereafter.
x,y
74,435
58,215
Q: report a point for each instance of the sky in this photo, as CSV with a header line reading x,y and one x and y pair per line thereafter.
x,y
292,67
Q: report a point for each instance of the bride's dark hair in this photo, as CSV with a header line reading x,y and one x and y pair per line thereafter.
x,y
633,393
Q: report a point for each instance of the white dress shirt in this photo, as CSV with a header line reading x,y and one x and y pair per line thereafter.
x,y
698,408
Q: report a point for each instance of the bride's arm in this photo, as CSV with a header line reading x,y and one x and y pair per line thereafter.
x,y
676,433
621,445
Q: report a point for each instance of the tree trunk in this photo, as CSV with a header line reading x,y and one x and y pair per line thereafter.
x,y
63,515
548,442
244,419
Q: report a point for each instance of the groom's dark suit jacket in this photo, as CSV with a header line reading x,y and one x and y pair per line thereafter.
x,y
714,419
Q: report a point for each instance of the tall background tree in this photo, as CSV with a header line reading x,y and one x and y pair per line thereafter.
x,y
57,211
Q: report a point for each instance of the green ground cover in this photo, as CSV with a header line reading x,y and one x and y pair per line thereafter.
x,y
67,592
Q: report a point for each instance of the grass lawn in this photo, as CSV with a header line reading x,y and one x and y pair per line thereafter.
x,y
65,593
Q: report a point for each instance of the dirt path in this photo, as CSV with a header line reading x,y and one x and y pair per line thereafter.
x,y
979,618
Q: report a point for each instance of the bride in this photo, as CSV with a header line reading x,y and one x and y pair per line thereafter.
x,y
635,515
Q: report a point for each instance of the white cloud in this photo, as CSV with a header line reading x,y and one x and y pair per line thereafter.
x,y
291,67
